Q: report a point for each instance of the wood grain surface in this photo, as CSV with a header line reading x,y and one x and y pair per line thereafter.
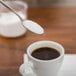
x,y
60,26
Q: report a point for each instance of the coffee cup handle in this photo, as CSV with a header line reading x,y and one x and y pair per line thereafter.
x,y
26,68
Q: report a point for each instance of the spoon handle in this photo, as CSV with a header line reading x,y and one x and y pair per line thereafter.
x,y
11,9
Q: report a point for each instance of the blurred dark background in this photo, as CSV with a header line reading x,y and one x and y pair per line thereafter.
x,y
50,2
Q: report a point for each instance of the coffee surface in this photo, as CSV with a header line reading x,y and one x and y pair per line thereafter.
x,y
45,53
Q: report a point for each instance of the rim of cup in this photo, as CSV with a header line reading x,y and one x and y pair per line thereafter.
x,y
45,41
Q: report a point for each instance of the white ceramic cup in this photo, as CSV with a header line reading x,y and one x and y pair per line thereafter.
x,y
45,67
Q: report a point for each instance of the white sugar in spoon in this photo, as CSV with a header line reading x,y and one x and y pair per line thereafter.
x,y
30,25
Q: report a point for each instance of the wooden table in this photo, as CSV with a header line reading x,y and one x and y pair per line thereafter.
x,y
60,26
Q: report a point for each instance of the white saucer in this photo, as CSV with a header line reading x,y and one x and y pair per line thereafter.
x,y
68,67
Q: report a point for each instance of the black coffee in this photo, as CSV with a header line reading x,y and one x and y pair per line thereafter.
x,y
45,53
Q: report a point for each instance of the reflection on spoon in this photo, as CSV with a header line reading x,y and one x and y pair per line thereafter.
x,y
33,26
